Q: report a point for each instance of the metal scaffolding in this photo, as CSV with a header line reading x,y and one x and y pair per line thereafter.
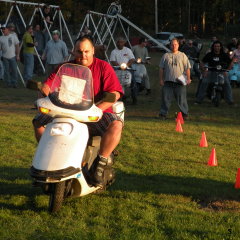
x,y
106,27
37,8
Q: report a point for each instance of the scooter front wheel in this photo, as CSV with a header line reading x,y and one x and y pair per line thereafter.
x,y
56,196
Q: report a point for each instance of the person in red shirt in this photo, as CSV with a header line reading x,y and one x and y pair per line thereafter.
x,y
110,126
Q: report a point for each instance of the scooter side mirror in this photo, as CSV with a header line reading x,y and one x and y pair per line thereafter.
x,y
109,97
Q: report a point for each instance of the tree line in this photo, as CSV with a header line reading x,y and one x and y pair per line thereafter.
x,y
202,17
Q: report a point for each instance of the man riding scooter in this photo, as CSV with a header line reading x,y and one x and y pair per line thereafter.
x,y
141,54
192,53
123,55
110,125
215,58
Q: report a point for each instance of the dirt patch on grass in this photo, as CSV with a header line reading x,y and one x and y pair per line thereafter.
x,y
220,205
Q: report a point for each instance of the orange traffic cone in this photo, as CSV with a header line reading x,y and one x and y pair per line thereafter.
x,y
180,117
203,141
237,184
213,158
179,126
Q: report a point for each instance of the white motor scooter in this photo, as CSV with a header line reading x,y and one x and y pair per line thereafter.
x,y
66,151
124,75
140,72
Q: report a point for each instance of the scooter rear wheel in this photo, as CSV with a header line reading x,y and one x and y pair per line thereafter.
x,y
56,196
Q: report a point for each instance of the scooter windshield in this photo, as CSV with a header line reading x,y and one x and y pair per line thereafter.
x,y
72,87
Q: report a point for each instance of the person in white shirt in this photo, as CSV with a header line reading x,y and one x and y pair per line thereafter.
x,y
119,55
9,44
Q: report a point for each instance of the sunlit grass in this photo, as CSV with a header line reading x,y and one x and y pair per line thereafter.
x,y
164,187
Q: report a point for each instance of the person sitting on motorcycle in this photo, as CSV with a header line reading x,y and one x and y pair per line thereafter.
x,y
214,58
122,54
232,45
110,125
140,52
236,53
192,53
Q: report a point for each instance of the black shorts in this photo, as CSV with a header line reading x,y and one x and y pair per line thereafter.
x,y
94,128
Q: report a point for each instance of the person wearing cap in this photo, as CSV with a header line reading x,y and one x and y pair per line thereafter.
x,y
11,28
28,53
39,38
9,45
55,52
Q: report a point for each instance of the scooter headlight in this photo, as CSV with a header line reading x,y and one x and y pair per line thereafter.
x,y
123,66
139,60
61,129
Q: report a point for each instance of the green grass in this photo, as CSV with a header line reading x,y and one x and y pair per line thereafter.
x,y
164,187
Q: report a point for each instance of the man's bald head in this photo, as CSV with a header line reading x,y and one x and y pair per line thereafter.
x,y
84,51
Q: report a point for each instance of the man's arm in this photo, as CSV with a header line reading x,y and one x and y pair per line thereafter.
x,y
161,76
45,90
106,105
188,76
114,63
130,62
17,51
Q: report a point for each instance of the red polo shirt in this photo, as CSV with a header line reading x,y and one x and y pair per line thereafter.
x,y
104,79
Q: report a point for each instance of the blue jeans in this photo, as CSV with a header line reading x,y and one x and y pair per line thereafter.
x,y
28,66
10,71
172,90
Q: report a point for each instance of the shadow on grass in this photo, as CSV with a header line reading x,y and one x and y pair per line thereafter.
x,y
206,192
13,184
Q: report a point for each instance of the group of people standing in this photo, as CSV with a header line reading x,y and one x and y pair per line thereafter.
x,y
176,64
36,44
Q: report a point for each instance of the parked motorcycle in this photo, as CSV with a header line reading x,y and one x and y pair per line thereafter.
x,y
66,152
215,89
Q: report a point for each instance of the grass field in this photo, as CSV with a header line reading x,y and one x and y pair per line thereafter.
x,y
164,187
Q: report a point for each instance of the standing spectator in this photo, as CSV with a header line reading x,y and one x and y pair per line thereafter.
x,y
140,51
1,67
173,66
28,53
55,52
48,17
9,44
85,31
39,38
11,28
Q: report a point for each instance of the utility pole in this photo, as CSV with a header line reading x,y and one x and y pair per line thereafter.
x,y
189,16
156,16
